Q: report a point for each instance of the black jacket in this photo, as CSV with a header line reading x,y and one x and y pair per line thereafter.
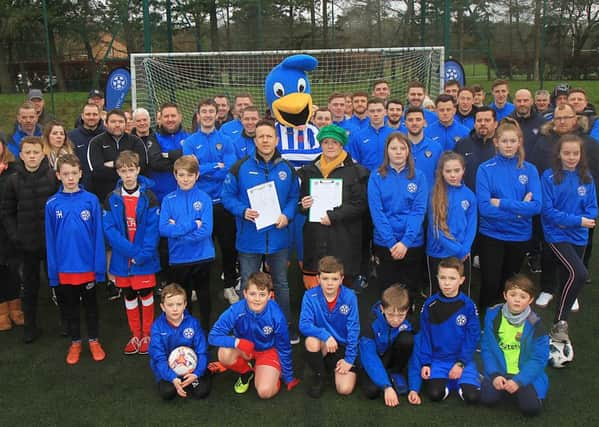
x,y
531,129
475,150
342,239
22,208
80,138
7,247
103,148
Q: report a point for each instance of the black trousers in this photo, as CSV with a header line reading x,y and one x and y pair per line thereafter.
x,y
71,297
31,285
224,231
572,274
395,360
499,260
196,277
527,397
407,271
9,282
199,389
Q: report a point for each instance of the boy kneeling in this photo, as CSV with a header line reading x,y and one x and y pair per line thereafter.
x,y
330,322
259,334
175,327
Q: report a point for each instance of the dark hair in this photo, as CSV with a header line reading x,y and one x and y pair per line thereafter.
x,y
522,282
412,110
452,82
68,159
207,101
260,280
452,262
415,84
115,112
499,82
90,104
376,100
465,89
395,101
378,82
266,122
169,105
485,109
444,97
359,93
582,168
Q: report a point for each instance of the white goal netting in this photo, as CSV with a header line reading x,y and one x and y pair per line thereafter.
x,y
185,78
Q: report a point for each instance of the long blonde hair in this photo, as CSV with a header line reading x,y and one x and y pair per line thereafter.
x,y
51,154
439,199
510,124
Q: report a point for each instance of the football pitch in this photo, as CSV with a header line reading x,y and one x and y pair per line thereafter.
x,y
39,388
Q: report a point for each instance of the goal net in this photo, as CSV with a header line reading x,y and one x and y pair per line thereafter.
x,y
185,78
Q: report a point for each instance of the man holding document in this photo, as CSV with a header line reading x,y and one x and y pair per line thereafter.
x,y
262,192
333,196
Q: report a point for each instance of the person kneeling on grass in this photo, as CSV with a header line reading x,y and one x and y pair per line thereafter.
x,y
515,349
260,334
175,327
329,321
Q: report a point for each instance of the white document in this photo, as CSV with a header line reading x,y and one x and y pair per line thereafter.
x,y
264,199
326,195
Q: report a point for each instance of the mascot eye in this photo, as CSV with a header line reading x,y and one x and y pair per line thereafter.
x,y
301,85
278,89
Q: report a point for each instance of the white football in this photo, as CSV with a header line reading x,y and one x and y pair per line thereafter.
x,y
183,360
560,353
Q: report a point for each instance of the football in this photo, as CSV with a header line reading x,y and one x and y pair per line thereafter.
x,y
182,360
560,353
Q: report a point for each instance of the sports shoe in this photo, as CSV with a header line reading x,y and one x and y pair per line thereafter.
x,y
144,345
559,332
230,295
294,337
97,351
315,389
575,306
243,382
74,353
544,299
113,292
476,261
132,346
194,296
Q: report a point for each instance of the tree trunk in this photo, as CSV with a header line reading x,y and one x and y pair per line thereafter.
x,y
6,80
213,27
312,25
57,69
461,33
538,24
325,25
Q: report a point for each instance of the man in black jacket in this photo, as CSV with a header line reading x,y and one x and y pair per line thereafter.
x,y
22,212
91,126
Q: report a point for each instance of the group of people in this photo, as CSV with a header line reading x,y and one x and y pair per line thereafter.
x,y
423,194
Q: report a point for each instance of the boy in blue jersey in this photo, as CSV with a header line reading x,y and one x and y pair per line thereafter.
x,y
76,255
450,329
259,334
130,220
329,321
175,327
386,346
186,220
515,349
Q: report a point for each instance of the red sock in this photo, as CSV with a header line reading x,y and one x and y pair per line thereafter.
x,y
147,313
240,365
132,310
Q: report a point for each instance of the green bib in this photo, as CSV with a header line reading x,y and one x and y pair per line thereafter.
x,y
509,342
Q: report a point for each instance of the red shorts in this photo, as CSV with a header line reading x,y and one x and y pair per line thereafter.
x,y
142,281
268,357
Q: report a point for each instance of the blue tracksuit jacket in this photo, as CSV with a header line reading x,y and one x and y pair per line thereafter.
x,y
165,338
500,178
426,156
144,248
342,323
170,144
232,128
373,345
462,217
446,136
564,205
534,352
266,330
244,145
211,149
186,242
397,206
74,228
247,173
367,146
502,113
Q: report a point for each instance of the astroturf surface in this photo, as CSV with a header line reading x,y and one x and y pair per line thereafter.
x,y
39,388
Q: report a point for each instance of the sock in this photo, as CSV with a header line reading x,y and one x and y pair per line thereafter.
x,y
315,361
240,365
147,313
132,309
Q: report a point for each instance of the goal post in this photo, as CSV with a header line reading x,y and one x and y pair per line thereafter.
x,y
185,78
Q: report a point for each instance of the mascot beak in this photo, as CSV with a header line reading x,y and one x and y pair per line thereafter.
x,y
293,109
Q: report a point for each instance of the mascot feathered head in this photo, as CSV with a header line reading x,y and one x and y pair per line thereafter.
x,y
287,90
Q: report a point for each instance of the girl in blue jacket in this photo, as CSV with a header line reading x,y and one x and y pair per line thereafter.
x,y
452,218
508,191
569,211
397,197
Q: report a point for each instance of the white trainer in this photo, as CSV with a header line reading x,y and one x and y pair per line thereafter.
x,y
194,296
544,299
575,306
230,295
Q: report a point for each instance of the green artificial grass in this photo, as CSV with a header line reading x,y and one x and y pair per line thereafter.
x,y
38,387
